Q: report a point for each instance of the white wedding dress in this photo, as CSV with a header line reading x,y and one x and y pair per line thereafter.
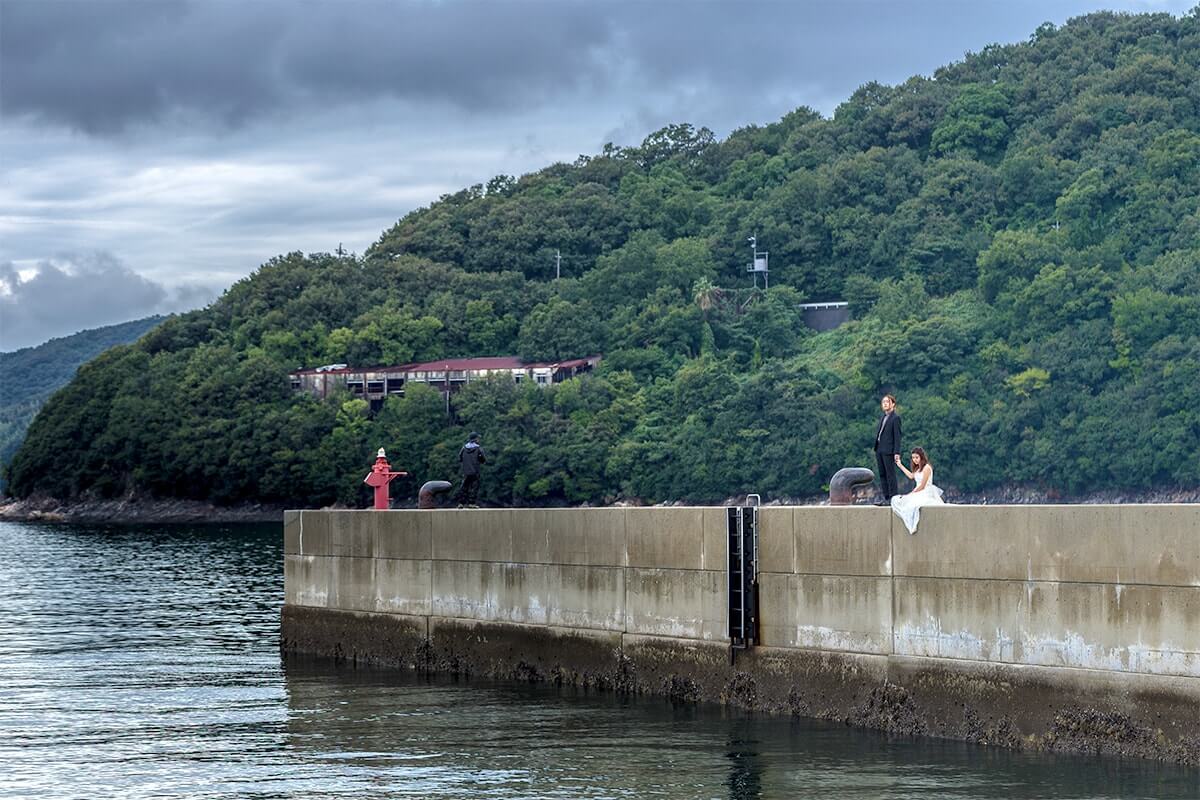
x,y
908,506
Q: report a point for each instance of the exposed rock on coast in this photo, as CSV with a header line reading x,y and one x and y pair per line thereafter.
x,y
133,510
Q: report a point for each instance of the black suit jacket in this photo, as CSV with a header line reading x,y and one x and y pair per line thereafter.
x,y
887,440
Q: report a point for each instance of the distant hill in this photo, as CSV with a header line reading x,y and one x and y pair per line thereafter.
x,y
30,375
1017,235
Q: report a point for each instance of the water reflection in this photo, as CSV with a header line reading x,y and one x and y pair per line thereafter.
x,y
404,736
745,778
144,662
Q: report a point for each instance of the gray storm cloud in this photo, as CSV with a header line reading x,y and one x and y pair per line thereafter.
x,y
75,292
105,65
101,66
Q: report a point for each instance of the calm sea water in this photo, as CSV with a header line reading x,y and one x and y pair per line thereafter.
x,y
143,662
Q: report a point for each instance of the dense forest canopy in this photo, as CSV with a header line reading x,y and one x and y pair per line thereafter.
x,y
30,375
1018,237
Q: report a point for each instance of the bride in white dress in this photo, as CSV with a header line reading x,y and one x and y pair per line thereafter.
x,y
908,506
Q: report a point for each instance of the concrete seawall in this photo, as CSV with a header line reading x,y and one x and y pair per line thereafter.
x,y
1069,628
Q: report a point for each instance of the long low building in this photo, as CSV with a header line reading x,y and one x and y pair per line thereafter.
x,y
445,375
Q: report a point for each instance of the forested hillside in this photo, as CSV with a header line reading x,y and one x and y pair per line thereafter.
x,y
1018,236
30,375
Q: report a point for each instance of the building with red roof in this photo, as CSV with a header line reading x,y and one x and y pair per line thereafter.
x,y
446,375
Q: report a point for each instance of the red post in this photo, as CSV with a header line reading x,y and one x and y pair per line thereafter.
x,y
380,476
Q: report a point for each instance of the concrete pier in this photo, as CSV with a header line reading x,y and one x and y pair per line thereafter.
x,y
1066,628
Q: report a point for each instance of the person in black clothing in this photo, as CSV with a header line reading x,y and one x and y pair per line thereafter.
x,y
470,457
887,447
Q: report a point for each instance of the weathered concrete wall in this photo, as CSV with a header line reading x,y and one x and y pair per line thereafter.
x,y
1097,587
1063,627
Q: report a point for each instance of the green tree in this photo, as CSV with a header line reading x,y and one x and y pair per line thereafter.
x,y
559,329
975,122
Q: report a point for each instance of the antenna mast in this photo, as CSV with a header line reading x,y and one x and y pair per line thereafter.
x,y
759,263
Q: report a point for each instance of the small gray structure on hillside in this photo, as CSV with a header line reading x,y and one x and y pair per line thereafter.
x,y
825,316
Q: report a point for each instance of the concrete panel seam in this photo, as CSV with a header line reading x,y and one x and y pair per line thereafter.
x,y
891,562
1056,668
625,583
722,642
545,626
891,645
548,564
360,613
625,534
659,569
408,558
819,574
1052,582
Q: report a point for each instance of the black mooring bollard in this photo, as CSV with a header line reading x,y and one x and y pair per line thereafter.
x,y
845,481
430,490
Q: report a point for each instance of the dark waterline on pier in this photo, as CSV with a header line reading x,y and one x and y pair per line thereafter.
x,y
144,662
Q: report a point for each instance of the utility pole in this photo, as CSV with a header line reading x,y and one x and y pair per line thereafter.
x,y
557,264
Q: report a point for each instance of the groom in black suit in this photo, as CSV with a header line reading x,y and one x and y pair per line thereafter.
x,y
887,447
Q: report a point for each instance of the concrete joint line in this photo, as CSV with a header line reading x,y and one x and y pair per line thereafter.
x,y
1122,584
892,580
625,580
899,658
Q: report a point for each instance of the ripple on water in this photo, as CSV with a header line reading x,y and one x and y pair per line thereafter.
x,y
143,662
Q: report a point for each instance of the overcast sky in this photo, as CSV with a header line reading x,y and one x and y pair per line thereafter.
x,y
152,152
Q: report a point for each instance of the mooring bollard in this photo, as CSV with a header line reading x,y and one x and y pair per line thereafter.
x,y
430,490
380,476
845,481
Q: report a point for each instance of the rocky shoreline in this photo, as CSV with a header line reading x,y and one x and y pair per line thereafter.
x,y
133,510
1019,495
1013,496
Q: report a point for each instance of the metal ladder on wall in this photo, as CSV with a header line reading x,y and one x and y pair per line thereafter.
x,y
742,564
